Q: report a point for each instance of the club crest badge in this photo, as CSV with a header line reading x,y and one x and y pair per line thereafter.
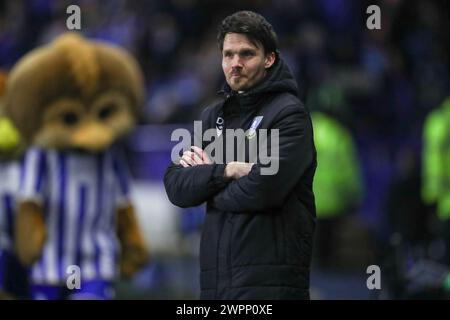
x,y
251,132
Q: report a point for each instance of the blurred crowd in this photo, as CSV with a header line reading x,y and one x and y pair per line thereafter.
x,y
379,84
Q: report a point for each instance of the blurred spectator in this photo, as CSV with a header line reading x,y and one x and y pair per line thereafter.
x,y
337,185
436,170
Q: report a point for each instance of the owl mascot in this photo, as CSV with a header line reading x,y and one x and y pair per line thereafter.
x,y
72,100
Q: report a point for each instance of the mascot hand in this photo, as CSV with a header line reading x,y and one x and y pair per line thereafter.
x,y
30,232
134,251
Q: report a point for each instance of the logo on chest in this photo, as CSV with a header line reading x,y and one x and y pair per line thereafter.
x,y
251,132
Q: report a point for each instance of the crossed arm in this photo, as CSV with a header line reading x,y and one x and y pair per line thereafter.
x,y
240,187
233,170
196,179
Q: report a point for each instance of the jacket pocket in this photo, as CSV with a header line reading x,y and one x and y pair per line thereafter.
x,y
210,240
225,244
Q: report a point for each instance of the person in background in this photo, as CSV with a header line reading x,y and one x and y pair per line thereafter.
x,y
337,185
436,168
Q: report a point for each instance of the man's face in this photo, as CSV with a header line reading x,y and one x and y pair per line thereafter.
x,y
243,63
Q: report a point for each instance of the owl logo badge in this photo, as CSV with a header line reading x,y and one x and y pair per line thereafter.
x,y
251,133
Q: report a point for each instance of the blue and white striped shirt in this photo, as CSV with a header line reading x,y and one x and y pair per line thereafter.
x,y
80,193
9,186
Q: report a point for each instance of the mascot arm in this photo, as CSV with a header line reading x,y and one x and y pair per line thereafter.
x,y
134,251
30,232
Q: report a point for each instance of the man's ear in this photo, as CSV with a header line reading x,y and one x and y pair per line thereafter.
x,y
270,60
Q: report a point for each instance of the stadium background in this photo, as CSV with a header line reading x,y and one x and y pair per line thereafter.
x,y
379,84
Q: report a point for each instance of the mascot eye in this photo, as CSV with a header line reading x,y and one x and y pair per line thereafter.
x,y
107,111
70,118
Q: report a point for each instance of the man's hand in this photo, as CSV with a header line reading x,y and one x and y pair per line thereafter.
x,y
194,157
235,170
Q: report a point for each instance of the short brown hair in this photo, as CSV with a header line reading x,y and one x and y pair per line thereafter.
x,y
254,26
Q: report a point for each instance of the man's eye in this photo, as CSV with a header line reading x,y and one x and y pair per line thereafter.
x,y
70,118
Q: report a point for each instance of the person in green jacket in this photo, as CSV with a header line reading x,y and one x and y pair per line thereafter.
x,y
436,160
337,186
436,169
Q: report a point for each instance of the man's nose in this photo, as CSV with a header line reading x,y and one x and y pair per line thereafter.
x,y
236,61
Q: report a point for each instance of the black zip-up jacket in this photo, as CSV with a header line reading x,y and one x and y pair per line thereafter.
x,y
257,235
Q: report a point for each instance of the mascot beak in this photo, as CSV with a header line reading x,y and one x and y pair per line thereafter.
x,y
93,137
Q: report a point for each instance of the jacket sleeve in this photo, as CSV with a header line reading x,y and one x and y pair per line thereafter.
x,y
191,186
258,192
